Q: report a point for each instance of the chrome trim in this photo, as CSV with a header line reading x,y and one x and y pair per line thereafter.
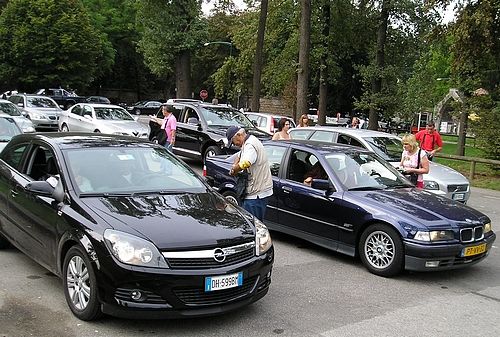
x,y
208,253
187,151
313,219
473,233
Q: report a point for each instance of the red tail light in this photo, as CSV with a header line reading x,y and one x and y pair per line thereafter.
x,y
272,126
204,170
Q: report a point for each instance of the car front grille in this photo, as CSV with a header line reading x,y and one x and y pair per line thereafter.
x,y
458,188
471,234
206,258
198,296
52,118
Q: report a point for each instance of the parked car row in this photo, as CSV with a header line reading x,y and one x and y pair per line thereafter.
x,y
358,204
8,108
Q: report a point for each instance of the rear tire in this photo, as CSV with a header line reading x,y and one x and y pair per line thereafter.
x,y
211,151
381,250
80,285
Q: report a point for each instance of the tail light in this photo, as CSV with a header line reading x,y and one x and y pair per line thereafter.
x,y
204,170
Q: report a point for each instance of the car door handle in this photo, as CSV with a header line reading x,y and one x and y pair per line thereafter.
x,y
286,189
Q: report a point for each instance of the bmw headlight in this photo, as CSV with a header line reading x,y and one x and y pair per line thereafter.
x,y
431,185
133,250
434,236
262,238
28,128
487,227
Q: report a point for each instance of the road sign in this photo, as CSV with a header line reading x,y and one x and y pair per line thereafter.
x,y
204,94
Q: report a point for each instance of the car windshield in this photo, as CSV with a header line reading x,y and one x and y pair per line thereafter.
x,y
386,147
222,116
113,114
8,129
9,109
364,171
41,102
129,171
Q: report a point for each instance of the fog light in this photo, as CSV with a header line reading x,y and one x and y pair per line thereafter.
x,y
432,264
136,295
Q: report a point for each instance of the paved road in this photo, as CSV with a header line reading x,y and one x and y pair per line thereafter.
x,y
314,293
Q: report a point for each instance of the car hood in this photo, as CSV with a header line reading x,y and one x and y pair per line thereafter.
x,y
45,111
181,221
221,131
124,126
418,205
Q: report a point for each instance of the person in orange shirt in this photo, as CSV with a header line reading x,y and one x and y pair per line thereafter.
x,y
430,140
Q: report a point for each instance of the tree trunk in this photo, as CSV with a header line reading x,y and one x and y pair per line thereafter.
x,y
183,75
462,133
304,47
257,65
323,72
379,63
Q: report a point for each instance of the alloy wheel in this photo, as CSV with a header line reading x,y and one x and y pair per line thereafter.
x,y
379,250
78,283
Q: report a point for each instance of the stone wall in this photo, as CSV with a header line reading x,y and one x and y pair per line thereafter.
x,y
275,106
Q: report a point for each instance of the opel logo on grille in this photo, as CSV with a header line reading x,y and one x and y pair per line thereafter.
x,y
219,255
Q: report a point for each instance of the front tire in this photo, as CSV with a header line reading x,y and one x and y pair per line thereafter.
x,y
80,285
231,197
381,250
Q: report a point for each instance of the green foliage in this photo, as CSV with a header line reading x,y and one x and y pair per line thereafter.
x,y
167,29
45,43
484,125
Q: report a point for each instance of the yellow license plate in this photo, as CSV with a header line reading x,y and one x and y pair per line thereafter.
x,y
474,250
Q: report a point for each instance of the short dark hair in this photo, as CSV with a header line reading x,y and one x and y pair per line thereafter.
x,y
169,107
431,123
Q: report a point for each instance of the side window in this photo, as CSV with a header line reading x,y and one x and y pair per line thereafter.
x,y
42,164
190,113
343,139
87,110
14,156
262,121
77,110
322,136
354,142
275,156
297,167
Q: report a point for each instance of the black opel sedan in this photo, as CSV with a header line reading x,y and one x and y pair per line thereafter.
x,y
131,230
352,201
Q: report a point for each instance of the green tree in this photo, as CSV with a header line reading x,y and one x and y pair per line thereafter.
x,y
45,43
170,32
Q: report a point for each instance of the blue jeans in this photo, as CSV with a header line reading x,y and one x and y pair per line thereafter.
x,y
257,207
168,146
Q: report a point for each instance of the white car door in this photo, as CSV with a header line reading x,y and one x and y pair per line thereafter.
x,y
72,118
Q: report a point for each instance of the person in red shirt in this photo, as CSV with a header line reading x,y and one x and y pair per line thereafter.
x,y
430,140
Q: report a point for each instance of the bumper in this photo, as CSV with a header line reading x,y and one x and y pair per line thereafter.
x,y
177,293
447,256
44,124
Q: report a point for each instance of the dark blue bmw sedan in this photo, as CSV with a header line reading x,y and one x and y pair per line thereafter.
x,y
350,200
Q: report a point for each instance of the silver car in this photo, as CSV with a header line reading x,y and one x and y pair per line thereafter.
x,y
42,110
267,122
8,129
104,118
8,108
440,180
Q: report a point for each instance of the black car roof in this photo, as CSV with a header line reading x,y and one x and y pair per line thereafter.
x,y
72,140
322,147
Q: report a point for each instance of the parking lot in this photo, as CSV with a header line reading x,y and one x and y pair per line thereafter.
x,y
314,293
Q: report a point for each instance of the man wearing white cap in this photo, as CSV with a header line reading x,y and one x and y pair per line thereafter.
x,y
252,158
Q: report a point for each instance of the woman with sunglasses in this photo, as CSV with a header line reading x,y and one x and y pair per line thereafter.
x,y
283,128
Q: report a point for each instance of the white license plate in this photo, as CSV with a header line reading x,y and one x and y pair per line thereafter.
x,y
223,282
459,196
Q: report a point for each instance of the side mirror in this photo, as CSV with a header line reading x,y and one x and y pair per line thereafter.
x,y
87,117
193,121
322,184
254,123
20,104
45,189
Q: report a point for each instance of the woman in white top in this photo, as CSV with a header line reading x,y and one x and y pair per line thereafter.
x,y
410,162
283,128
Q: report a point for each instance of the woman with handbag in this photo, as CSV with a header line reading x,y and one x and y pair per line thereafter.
x,y
414,161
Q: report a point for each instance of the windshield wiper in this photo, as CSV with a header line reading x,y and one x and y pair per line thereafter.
x,y
105,195
400,186
366,188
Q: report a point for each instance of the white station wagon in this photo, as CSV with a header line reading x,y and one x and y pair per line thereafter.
x,y
103,118
440,180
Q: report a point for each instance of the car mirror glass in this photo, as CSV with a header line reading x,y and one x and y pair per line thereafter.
x,y
193,121
42,188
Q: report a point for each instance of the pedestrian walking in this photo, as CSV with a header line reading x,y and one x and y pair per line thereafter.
x,y
169,124
303,121
414,161
253,159
282,133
